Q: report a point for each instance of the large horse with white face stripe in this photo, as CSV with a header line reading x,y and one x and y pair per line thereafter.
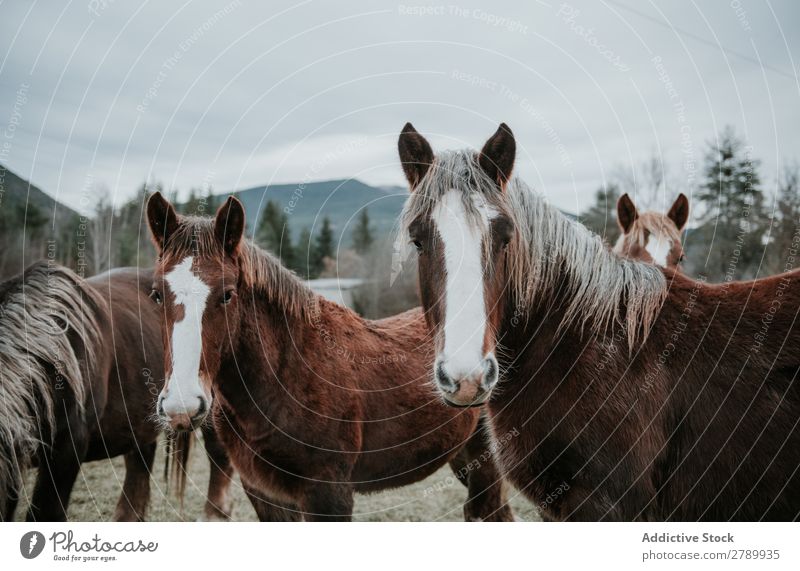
x,y
637,392
312,402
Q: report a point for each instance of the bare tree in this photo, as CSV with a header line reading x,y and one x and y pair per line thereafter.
x,y
101,227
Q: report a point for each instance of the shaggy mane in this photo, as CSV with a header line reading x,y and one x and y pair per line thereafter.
x,y
547,248
39,312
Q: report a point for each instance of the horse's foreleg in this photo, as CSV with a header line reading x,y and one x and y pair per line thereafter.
x,y
59,466
486,497
218,501
135,497
328,502
269,510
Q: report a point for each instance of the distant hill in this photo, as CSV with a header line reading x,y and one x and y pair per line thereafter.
x,y
16,192
340,200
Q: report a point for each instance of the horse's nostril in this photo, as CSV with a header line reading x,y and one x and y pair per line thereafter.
x,y
201,410
443,379
489,372
161,406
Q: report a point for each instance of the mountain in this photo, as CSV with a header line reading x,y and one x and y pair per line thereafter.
x,y
16,193
341,200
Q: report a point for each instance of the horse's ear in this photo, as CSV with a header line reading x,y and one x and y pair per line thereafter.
x,y
679,213
229,224
416,154
626,213
161,218
498,154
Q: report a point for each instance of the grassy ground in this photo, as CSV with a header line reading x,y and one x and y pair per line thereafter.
x,y
438,498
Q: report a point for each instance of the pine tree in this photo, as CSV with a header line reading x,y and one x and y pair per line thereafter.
x,y
362,234
602,215
735,223
305,257
268,234
274,234
786,226
211,203
191,206
286,250
324,245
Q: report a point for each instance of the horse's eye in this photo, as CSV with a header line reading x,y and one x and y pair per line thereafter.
x,y
155,295
227,296
417,245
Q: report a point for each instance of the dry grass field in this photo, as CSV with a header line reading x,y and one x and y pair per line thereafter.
x,y
438,498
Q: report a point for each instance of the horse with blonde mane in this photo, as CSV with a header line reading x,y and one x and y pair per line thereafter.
x,y
637,392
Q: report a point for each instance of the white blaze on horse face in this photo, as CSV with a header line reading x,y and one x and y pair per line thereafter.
x,y
464,308
184,389
658,247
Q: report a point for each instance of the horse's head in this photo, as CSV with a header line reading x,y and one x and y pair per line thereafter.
x,y
457,220
652,237
196,282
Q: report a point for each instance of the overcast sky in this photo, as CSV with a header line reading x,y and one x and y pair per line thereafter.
x,y
110,93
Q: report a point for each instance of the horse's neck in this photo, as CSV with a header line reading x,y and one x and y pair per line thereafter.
x,y
529,336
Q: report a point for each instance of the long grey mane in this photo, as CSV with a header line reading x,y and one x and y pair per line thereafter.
x,y
37,312
549,252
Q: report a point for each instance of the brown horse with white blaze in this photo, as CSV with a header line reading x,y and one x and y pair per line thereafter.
x,y
312,402
637,392
651,236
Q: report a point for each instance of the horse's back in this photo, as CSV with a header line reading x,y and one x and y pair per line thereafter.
x,y
735,402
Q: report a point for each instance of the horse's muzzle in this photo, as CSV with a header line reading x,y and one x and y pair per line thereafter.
x,y
184,417
467,390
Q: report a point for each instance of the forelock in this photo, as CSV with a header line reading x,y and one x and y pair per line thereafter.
x,y
194,237
453,170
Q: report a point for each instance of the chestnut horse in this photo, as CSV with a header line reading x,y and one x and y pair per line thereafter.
x,y
652,236
312,402
637,392
82,365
